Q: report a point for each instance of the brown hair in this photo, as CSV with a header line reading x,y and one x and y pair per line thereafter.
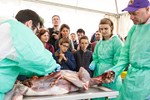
x,y
61,28
55,16
73,33
83,37
64,40
107,21
41,32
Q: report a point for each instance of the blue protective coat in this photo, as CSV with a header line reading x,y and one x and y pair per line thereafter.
x,y
31,57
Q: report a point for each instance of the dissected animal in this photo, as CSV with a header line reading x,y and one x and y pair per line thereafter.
x,y
61,82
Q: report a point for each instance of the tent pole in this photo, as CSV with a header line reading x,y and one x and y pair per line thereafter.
x,y
117,16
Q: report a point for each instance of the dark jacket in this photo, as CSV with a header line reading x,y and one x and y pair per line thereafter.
x,y
75,44
52,39
83,59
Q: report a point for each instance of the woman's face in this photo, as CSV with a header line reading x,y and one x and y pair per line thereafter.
x,y
65,32
45,37
105,30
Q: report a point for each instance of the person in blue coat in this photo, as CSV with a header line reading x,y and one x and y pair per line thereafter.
x,y
136,52
63,56
21,51
106,53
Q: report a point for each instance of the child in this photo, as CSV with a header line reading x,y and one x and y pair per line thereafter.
x,y
64,57
83,56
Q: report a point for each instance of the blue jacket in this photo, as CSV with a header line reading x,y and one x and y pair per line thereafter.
x,y
70,64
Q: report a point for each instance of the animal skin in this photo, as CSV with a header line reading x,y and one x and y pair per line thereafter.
x,y
58,83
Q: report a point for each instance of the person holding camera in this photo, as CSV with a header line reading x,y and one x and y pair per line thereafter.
x,y
55,30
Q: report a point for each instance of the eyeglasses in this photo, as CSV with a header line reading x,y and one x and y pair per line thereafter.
x,y
97,34
65,46
35,28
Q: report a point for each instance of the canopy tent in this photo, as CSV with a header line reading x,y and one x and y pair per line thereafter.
x,y
98,6
84,14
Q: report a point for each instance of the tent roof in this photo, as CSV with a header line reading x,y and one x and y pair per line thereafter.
x,y
84,14
98,6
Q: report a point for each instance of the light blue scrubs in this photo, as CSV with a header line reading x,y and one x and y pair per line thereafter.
x,y
136,52
31,56
106,54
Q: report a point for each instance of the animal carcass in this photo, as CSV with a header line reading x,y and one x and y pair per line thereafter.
x,y
61,82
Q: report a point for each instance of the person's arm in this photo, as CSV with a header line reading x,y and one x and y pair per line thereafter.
x,y
70,61
117,49
31,54
56,47
6,45
91,57
124,55
95,58
60,57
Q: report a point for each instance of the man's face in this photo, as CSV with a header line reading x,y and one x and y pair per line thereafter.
x,y
84,44
80,35
98,36
139,16
56,21
73,37
35,28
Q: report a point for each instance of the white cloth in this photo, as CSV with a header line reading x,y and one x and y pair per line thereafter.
x,y
6,45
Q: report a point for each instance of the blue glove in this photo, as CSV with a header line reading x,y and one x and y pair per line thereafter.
x,y
57,69
148,97
92,67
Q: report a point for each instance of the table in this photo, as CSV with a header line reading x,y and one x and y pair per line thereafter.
x,y
93,92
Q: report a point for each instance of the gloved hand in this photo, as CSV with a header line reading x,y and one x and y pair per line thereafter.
x,y
57,69
108,77
27,83
91,67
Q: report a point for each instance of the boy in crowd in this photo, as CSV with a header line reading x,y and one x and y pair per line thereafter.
x,y
63,56
83,56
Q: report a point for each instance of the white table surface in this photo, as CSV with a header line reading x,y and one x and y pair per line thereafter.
x,y
93,92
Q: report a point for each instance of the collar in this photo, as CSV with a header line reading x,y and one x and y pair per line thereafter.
x,y
113,35
148,21
3,18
